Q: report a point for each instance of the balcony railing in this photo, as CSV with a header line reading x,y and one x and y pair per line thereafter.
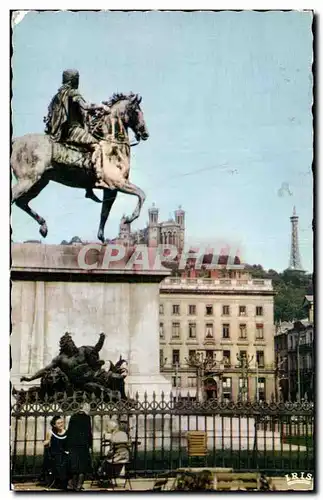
x,y
220,367
216,284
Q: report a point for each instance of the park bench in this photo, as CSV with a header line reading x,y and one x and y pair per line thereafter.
x,y
226,481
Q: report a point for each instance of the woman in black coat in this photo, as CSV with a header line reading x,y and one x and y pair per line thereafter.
x,y
55,456
78,443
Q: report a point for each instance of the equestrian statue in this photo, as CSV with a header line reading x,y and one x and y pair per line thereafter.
x,y
84,146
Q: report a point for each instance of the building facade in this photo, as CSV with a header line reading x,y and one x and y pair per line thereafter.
x,y
226,322
301,368
295,355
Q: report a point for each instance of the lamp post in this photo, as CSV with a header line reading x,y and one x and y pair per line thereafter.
x,y
278,377
298,370
300,332
244,365
176,379
257,382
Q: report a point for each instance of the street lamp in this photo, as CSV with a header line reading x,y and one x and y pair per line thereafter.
x,y
244,365
300,331
279,377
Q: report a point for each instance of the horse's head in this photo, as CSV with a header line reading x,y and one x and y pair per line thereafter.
x,y
128,107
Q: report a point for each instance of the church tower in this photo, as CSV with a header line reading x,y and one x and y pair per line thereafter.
x,y
180,220
124,231
153,228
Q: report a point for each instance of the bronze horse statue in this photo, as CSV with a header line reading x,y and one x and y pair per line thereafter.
x,y
36,160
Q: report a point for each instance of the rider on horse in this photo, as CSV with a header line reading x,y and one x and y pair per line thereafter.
x,y
66,121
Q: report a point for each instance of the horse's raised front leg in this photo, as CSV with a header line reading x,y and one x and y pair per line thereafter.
x,y
23,192
109,196
132,189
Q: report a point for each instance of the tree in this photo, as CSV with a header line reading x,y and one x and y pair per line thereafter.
x,y
290,287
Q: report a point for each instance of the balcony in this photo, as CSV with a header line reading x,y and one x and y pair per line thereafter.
x,y
210,284
209,341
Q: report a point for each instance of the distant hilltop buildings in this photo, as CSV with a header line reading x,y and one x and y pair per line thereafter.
x,y
170,232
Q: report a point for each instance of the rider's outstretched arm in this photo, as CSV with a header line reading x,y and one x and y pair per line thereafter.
x,y
88,106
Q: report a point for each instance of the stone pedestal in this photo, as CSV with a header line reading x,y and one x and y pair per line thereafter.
x,y
51,294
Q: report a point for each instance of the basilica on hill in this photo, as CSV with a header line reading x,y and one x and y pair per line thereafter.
x,y
170,232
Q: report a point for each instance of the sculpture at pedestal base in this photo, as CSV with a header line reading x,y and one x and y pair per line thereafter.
x,y
77,371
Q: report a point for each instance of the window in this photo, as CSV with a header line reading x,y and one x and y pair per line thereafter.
x,y
259,311
192,330
259,331
175,357
226,383
209,355
225,310
161,330
175,330
227,358
242,311
243,354
243,331
226,388
175,309
262,388
176,381
209,310
192,381
161,308
161,358
209,330
243,388
192,309
260,357
191,354
226,331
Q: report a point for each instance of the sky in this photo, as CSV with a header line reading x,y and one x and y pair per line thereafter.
x,y
227,100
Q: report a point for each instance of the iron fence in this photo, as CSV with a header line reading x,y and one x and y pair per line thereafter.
x,y
274,438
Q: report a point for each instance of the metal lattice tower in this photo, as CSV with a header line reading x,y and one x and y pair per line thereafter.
x,y
295,258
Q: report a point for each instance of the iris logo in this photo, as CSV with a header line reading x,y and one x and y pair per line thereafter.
x,y
299,478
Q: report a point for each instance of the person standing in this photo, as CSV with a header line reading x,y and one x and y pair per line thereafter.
x,y
56,457
78,443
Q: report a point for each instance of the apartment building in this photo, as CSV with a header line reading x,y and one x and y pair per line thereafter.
x,y
295,355
228,324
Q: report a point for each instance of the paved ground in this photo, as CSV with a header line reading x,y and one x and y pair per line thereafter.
x,y
147,484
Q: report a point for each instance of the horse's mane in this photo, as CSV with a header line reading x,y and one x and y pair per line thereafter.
x,y
119,97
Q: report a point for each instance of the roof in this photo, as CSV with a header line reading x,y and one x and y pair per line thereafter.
x,y
309,298
284,327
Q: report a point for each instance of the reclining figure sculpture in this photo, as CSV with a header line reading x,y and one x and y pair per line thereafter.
x,y
78,370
